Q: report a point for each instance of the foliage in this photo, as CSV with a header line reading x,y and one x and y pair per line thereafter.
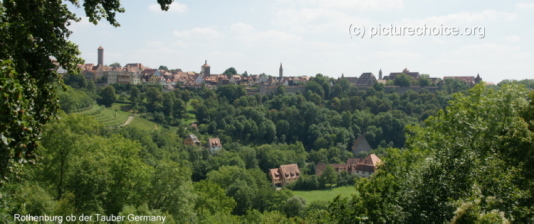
x,y
115,64
403,80
33,33
230,71
108,96
71,100
472,162
163,67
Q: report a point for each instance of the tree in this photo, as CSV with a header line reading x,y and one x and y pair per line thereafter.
x,y
424,80
212,199
232,92
155,99
281,90
403,80
295,206
163,67
230,71
116,64
33,32
108,96
329,176
168,104
172,190
135,96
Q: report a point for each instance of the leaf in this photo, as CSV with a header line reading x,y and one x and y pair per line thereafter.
x,y
4,139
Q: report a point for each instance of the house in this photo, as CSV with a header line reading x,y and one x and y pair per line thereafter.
x,y
214,144
285,174
356,166
360,145
366,79
191,140
351,80
414,75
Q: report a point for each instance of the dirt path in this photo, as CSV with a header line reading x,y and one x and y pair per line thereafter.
x,y
130,119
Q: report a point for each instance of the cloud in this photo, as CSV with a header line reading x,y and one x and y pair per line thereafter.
x,y
512,38
399,55
360,5
202,32
463,18
315,20
174,7
241,28
525,5
270,36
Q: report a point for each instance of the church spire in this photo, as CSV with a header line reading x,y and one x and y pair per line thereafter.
x,y
281,71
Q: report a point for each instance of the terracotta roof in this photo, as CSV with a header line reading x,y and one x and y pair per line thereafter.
x,y
213,142
372,160
275,174
368,164
290,171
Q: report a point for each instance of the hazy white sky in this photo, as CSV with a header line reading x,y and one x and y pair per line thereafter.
x,y
312,36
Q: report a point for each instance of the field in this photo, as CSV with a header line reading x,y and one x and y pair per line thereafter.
x,y
117,115
327,194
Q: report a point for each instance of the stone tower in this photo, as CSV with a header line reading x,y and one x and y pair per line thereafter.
x,y
100,55
281,71
205,69
380,74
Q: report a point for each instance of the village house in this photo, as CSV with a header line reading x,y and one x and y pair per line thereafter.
x,y
356,166
192,140
214,144
285,174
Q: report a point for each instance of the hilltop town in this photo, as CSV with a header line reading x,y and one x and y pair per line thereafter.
x,y
137,73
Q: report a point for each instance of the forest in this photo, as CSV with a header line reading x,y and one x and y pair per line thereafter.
x,y
460,154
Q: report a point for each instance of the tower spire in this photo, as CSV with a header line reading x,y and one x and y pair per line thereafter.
x,y
281,71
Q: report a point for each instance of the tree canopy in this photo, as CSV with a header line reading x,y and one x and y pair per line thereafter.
x,y
34,42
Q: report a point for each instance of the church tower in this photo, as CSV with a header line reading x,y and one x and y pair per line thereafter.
x,y
100,55
205,69
380,74
281,71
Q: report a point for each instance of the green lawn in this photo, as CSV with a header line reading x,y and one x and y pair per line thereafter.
x,y
327,194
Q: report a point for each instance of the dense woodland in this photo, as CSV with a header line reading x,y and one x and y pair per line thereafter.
x,y
460,154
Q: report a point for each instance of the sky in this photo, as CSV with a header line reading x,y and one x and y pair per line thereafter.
x,y
439,38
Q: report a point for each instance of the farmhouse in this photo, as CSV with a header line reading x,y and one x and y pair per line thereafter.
x,y
192,140
360,167
284,175
214,144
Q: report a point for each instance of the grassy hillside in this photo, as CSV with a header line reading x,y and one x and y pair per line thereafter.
x,y
117,115
327,194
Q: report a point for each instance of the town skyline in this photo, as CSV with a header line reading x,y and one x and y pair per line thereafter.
x,y
311,37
